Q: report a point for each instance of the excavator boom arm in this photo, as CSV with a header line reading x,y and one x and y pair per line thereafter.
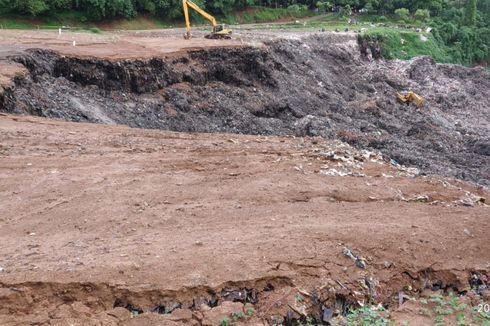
x,y
186,4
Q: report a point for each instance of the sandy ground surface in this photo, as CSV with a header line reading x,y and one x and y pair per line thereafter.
x,y
109,45
114,45
92,214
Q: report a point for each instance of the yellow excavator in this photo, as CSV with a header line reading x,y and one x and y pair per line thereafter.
x,y
408,97
219,31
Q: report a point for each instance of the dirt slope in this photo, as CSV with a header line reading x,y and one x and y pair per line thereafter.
x,y
295,85
98,220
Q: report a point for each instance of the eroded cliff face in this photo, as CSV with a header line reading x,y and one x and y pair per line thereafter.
x,y
306,87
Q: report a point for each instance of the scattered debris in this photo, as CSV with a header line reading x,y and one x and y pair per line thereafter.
x,y
471,200
268,101
359,261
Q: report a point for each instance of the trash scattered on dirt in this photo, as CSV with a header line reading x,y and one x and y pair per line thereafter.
x,y
470,199
359,261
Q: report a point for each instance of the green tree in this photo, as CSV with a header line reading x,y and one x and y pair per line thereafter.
x,y
220,7
422,15
484,8
402,13
343,3
470,13
29,7
447,32
58,4
386,6
371,6
324,6
345,11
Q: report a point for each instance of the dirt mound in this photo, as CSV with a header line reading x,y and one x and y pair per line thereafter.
x,y
315,85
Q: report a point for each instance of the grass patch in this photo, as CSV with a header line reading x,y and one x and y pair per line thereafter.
x,y
265,15
53,21
407,44
77,21
334,22
10,23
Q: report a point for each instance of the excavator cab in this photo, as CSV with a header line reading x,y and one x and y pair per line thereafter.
x,y
220,31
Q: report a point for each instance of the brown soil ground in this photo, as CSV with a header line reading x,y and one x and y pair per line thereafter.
x,y
8,72
115,45
98,220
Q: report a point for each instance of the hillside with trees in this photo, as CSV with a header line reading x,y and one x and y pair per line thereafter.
x,y
460,28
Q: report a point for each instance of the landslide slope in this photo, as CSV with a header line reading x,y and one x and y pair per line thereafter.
x,y
309,85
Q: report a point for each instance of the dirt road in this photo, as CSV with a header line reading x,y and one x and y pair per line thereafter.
x,y
103,224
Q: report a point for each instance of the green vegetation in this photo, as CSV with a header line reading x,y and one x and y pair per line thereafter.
x,y
465,32
236,316
368,316
442,310
224,322
481,316
453,38
408,44
262,15
470,13
250,312
460,28
403,14
450,308
98,10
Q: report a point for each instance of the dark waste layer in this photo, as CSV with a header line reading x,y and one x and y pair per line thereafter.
x,y
308,87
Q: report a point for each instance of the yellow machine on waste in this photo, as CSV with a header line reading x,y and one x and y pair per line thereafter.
x,y
219,31
408,97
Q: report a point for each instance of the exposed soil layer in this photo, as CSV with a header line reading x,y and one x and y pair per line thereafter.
x,y
131,227
311,85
